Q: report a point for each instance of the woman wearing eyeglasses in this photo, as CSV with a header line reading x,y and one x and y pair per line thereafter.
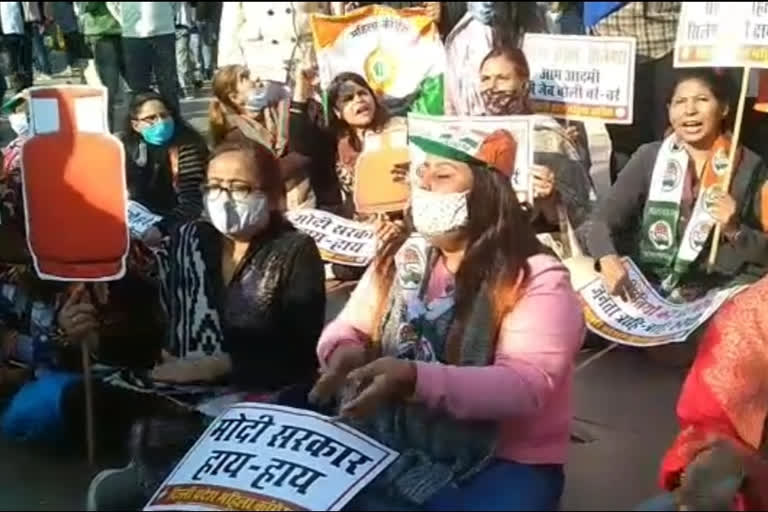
x,y
246,290
165,163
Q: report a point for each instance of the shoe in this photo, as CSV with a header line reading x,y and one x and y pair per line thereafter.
x,y
116,489
186,94
43,77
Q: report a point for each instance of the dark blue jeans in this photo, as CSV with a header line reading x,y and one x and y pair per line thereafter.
x,y
145,55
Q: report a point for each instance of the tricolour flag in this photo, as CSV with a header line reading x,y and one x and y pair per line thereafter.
x,y
399,53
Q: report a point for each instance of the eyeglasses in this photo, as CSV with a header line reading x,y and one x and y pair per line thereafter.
x,y
153,118
237,190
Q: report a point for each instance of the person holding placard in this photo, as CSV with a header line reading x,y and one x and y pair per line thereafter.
x,y
468,305
165,163
663,208
561,183
356,116
247,107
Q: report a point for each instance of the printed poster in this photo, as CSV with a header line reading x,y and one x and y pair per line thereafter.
x,y
339,240
723,34
582,77
268,457
646,320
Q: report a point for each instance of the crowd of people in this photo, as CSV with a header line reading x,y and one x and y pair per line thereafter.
x,y
224,299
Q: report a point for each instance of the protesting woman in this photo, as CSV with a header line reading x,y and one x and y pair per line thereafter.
x,y
468,305
245,107
718,460
561,183
662,210
165,163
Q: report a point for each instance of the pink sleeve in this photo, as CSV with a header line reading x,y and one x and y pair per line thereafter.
x,y
354,325
535,352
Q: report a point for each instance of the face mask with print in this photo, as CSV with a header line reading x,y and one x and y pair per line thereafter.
x,y
19,123
159,133
238,218
481,11
261,97
504,103
437,214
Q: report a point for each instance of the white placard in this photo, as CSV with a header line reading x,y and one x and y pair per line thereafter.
x,y
582,77
647,319
140,219
268,457
339,240
722,34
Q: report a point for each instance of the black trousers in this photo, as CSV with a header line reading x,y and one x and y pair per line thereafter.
x,y
108,59
147,55
19,48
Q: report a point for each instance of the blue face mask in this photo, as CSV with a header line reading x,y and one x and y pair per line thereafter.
x,y
159,133
262,97
481,11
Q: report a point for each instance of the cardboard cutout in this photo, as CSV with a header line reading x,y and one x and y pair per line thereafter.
x,y
73,177
375,191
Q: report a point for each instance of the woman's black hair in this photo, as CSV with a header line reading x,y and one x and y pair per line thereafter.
x,y
720,83
184,131
337,125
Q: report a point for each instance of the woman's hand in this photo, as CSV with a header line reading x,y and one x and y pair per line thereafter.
x,y
615,277
712,480
572,132
384,380
388,231
722,207
78,317
186,371
543,182
305,81
344,359
400,172
434,10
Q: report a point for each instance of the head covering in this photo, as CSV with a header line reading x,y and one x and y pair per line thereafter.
x,y
494,151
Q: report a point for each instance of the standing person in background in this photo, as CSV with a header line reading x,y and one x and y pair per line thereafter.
x,y
268,38
654,26
208,16
18,44
102,33
64,15
149,45
185,22
34,23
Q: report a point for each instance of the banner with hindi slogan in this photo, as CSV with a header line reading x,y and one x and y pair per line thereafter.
x,y
268,457
723,34
582,77
647,319
398,52
339,240
473,135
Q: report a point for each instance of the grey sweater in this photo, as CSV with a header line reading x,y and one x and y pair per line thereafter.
x,y
615,224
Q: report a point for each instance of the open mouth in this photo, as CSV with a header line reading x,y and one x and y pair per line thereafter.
x,y
362,109
693,124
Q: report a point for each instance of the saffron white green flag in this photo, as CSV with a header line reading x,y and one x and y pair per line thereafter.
x,y
399,53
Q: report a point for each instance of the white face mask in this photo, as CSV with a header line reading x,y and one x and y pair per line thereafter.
x,y
19,123
238,218
437,214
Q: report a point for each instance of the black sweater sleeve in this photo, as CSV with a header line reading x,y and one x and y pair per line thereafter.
x,y
190,178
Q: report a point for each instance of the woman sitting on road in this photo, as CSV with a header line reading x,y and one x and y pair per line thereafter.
x,y
562,187
663,208
165,163
245,107
470,304
718,461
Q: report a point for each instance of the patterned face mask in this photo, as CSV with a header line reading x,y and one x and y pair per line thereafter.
x,y
505,103
436,214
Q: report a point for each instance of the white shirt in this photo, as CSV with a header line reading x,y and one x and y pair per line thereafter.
x,y
145,19
267,37
12,17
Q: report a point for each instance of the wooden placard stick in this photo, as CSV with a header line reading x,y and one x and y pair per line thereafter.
x,y
86,359
731,162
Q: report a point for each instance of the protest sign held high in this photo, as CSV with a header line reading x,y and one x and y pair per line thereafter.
x,y
339,240
725,34
581,77
267,457
477,136
75,194
399,52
